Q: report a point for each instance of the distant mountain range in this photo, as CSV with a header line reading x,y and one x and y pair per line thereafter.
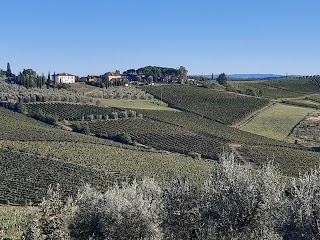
x,y
252,76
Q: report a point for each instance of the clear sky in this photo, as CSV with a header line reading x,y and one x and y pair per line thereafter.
x,y
95,36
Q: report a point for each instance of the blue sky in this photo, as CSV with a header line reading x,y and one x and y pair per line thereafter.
x,y
96,36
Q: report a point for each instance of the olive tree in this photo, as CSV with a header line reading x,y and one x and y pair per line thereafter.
x,y
302,220
129,211
240,203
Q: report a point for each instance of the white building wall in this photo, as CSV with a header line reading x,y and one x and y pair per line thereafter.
x,y
64,79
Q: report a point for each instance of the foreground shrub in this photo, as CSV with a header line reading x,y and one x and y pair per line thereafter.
x,y
302,219
239,203
51,220
128,212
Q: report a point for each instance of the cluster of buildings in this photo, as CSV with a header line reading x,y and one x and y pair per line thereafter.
x,y
69,78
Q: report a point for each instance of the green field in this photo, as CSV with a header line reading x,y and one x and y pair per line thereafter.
x,y
136,104
11,218
277,121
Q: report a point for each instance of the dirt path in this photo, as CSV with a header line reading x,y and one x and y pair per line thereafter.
x,y
244,160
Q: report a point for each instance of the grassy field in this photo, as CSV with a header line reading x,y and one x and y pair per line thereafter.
x,y
11,220
84,88
136,104
277,121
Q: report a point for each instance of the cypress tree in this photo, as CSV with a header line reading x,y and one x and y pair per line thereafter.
x,y
8,73
48,80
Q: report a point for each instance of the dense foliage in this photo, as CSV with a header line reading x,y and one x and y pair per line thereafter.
x,y
233,203
160,73
16,93
121,93
226,108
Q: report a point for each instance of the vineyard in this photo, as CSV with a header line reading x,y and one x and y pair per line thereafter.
x,y
303,103
161,136
223,107
126,161
315,98
74,112
25,177
193,122
290,162
18,127
296,85
261,89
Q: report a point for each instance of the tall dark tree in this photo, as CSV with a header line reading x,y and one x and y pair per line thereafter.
x,y
48,80
8,73
222,79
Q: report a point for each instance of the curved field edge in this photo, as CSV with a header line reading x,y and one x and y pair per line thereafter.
x,y
277,121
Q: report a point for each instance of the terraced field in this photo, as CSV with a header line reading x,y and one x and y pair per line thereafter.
x,y
277,121
223,107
